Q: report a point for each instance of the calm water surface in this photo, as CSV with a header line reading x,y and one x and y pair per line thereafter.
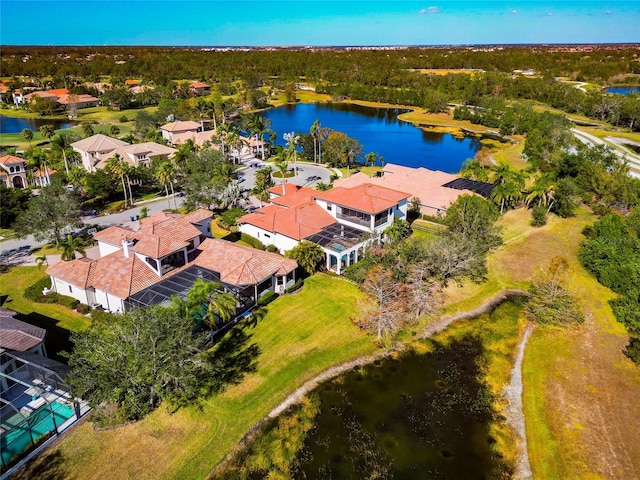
x,y
378,130
16,125
622,90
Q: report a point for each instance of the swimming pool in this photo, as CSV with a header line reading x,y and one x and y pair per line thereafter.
x,y
17,437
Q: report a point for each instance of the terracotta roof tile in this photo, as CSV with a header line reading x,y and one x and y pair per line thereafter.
x,y
76,272
239,265
10,160
366,197
180,126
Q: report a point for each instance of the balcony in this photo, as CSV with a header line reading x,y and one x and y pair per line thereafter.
x,y
365,222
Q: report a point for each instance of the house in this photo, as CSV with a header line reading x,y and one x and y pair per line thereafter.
x,y
96,150
198,138
62,97
146,262
19,336
171,129
343,221
436,190
13,172
199,88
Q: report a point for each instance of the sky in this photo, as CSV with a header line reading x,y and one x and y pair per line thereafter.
x,y
316,23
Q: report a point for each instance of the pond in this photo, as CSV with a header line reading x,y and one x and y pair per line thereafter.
x,y
627,90
16,125
378,130
415,416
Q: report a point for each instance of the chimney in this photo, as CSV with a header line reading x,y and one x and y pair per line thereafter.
x,y
126,243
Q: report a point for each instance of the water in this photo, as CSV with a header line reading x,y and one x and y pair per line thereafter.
x,y
378,130
622,90
16,125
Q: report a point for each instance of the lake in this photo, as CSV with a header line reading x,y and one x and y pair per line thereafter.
x,y
16,125
380,131
622,90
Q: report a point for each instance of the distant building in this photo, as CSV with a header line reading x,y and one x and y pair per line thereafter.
x,y
172,129
96,150
19,336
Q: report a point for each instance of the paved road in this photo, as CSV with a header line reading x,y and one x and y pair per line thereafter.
x,y
16,251
632,159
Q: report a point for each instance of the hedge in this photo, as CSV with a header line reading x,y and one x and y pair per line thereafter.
x,y
267,298
295,286
254,242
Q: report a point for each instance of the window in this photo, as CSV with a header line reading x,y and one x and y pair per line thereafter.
x,y
267,235
70,289
329,207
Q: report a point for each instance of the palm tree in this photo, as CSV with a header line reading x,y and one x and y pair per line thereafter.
x,y
47,131
224,173
473,170
258,126
42,260
27,135
542,190
72,245
292,141
315,134
230,195
370,159
263,182
283,167
63,142
207,299
165,173
118,167
222,132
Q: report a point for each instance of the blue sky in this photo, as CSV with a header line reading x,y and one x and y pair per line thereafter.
x,y
306,22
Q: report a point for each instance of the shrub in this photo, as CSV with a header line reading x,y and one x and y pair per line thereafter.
x,y
295,286
68,302
267,298
123,119
539,216
272,248
34,292
633,349
434,218
254,242
83,308
101,317
230,218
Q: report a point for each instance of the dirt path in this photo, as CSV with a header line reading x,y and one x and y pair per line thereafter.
x,y
336,370
515,411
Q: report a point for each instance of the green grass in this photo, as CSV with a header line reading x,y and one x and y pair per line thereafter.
x,y
301,335
17,279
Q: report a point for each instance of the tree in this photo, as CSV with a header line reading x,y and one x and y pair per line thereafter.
x,y
398,230
283,168
309,256
549,300
259,126
47,131
230,195
263,182
165,174
119,167
473,169
382,311
72,245
423,294
370,159
114,130
27,135
314,131
207,300
87,128
13,201
63,143
146,356
292,142
48,214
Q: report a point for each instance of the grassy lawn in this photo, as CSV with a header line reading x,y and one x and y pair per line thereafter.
x,y
17,279
300,336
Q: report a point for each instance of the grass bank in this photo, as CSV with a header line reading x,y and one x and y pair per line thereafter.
x,y
301,335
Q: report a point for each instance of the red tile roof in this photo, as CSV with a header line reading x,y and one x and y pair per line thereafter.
x,y
122,276
367,197
180,126
10,160
239,265
199,85
297,222
76,272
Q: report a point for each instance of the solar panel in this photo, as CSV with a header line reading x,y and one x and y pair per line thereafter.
x,y
481,188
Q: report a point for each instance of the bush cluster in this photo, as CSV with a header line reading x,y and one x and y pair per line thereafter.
x,y
267,298
295,286
254,242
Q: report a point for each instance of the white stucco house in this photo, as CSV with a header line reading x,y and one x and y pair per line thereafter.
x,y
170,130
144,263
343,221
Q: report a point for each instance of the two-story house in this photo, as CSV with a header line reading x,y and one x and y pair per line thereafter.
x,y
13,172
96,150
343,221
146,262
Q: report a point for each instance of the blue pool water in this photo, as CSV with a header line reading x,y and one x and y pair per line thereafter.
x,y
15,440
380,131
